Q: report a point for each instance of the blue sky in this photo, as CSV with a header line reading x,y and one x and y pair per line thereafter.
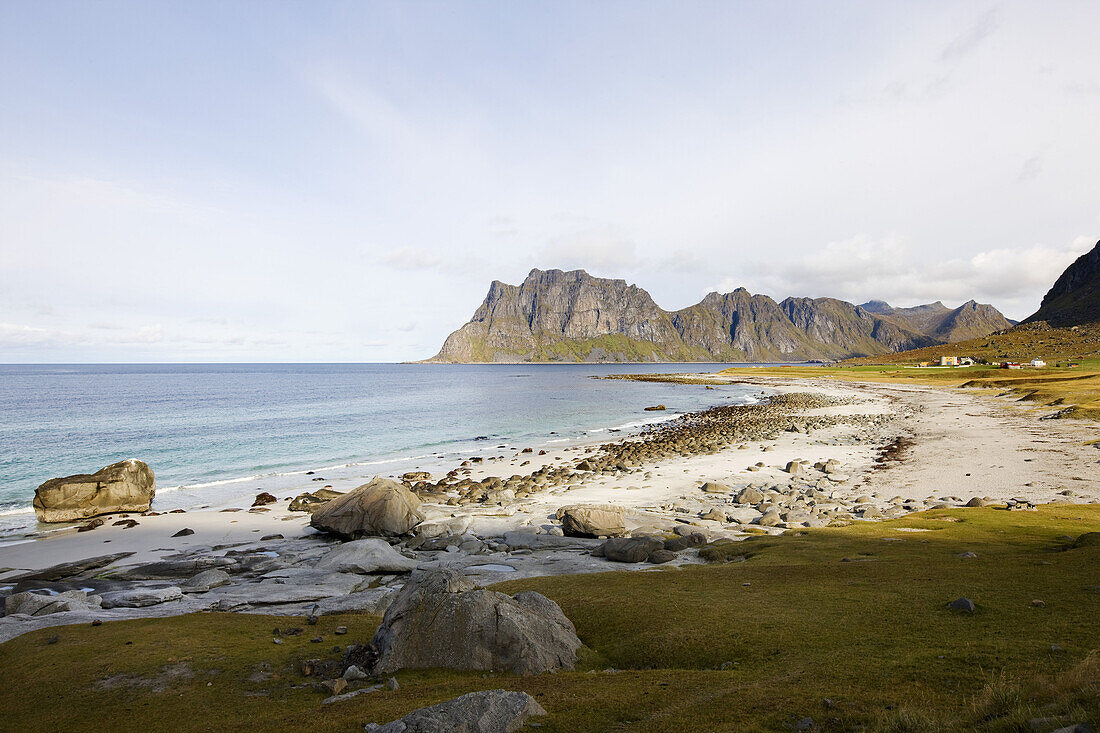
x,y
235,181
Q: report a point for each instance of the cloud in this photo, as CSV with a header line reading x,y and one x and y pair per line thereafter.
x,y
602,249
411,259
864,268
970,39
1031,169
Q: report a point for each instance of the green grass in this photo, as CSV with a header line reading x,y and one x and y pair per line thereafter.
x,y
1074,388
872,635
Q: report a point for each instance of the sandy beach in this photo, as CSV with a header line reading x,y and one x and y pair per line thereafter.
x,y
874,450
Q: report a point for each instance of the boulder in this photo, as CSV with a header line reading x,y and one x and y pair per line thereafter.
x,y
714,515
263,498
749,495
365,556
487,711
963,604
126,486
713,487
311,500
69,569
592,521
382,508
40,604
416,476
770,518
141,597
682,542
631,549
441,619
742,515
204,581
794,468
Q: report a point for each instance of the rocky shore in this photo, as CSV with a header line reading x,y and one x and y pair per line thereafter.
x,y
809,455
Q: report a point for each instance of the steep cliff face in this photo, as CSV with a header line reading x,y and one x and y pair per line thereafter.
x,y
565,316
945,325
572,316
1074,299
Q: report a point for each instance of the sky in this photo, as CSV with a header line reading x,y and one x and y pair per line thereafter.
x,y
341,181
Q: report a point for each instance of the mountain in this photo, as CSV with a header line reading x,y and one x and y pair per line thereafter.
x,y
946,325
1075,297
572,316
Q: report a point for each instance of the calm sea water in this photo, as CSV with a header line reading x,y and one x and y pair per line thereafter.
x,y
217,432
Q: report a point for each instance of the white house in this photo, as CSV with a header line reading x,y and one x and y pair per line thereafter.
x,y
1038,363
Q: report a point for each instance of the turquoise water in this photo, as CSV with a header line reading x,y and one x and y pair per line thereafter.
x,y
215,428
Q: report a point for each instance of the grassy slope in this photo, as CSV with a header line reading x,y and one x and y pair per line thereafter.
x,y
1056,386
872,635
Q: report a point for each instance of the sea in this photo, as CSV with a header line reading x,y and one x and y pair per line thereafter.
x,y
217,434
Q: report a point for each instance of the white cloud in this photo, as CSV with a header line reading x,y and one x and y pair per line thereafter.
x,y
599,249
888,268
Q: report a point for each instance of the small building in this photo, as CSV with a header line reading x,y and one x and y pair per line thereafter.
x,y
965,361
949,361
1038,363
1012,365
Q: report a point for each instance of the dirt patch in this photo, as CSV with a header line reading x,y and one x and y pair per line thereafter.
x,y
169,674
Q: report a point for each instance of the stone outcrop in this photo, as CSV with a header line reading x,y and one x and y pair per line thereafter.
x,y
41,604
1074,299
365,556
572,316
441,619
126,486
487,711
381,508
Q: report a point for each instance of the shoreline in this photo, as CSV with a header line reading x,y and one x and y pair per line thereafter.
x,y
999,453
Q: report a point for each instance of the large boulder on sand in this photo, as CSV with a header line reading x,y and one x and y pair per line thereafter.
x,y
487,711
126,486
381,508
592,521
441,619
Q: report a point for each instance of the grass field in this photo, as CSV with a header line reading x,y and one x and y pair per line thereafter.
x,y
845,625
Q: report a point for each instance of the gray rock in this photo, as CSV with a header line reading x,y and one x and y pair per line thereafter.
x,y
683,542
592,521
770,518
794,468
749,495
715,515
353,673
205,581
40,604
631,549
381,508
69,569
962,604
141,597
488,711
126,486
172,569
441,619
531,541
713,487
365,556
742,514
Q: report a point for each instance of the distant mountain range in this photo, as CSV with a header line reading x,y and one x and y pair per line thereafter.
x,y
1074,300
574,317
